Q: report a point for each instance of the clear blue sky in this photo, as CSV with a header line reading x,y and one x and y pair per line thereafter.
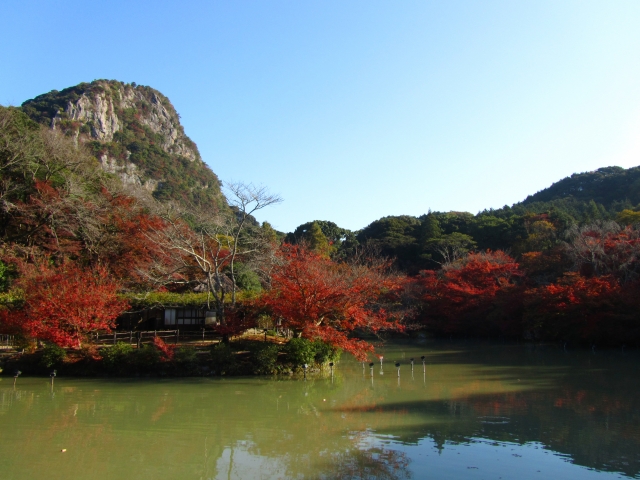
x,y
354,110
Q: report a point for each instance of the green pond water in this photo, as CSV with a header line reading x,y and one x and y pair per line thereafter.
x,y
485,411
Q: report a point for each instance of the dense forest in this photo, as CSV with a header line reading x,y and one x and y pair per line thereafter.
x,y
80,243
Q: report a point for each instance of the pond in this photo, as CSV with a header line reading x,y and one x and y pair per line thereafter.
x,y
476,410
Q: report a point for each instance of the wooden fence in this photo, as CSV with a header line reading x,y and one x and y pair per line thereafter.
x,y
173,337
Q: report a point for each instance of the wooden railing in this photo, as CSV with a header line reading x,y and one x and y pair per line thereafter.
x,y
175,337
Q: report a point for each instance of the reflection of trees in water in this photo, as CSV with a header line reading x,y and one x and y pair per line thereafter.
x,y
589,413
178,428
163,430
375,462
587,429
314,442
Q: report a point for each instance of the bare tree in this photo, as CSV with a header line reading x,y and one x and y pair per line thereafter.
x,y
245,199
585,244
605,248
208,244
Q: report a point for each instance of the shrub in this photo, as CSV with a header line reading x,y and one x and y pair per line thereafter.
x,y
222,357
53,355
325,353
147,357
265,356
300,351
186,356
117,356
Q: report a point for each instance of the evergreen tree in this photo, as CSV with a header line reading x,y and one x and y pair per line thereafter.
x,y
318,243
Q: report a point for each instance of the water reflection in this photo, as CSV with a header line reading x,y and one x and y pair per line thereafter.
x,y
510,401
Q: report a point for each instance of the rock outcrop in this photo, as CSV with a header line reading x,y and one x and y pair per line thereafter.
x,y
134,132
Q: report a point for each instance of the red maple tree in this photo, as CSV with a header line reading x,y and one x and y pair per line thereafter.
x,y
64,305
322,299
596,310
472,295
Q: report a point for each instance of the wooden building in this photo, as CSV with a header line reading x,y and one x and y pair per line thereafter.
x,y
167,318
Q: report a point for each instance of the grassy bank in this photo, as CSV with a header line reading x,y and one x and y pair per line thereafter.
x,y
245,356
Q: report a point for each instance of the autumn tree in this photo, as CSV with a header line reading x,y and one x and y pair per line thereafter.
x,y
128,243
46,187
594,310
64,305
57,203
605,248
322,299
472,295
597,301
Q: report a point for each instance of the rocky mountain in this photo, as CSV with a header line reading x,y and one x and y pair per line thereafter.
x,y
135,133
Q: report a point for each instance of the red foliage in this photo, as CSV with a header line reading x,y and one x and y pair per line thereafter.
x,y
167,351
63,305
238,320
474,295
321,299
130,250
606,249
575,308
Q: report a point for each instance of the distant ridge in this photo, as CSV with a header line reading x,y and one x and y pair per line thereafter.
x,y
607,186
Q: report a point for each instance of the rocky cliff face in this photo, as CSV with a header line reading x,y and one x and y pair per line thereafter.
x,y
135,132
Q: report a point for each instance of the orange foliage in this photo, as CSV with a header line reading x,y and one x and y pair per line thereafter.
x,y
322,299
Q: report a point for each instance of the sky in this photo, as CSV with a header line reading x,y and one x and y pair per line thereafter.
x,y
355,110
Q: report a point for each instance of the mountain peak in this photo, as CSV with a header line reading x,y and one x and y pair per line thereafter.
x,y
135,133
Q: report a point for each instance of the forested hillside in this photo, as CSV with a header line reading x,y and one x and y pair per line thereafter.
x,y
613,187
537,223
